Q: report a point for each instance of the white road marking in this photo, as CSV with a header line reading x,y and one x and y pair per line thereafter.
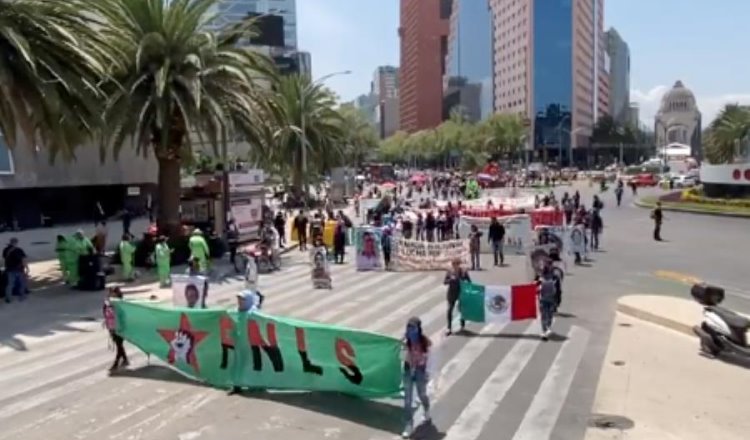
x,y
541,417
475,415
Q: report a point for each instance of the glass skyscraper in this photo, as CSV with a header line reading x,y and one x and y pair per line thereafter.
x,y
468,83
229,11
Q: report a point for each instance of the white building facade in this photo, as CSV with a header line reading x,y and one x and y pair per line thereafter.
x,y
679,120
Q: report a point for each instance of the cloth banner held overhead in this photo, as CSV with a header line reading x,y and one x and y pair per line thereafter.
x,y
413,255
518,236
498,304
367,248
189,291
227,349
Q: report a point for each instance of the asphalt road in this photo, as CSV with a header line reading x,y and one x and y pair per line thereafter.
x,y
495,384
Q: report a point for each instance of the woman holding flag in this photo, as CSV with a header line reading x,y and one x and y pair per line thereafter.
x,y
453,279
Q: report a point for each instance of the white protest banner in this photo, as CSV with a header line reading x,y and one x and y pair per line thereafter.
x,y
518,237
189,291
413,255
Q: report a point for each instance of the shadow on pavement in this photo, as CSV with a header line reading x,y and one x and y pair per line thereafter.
x,y
565,315
427,431
470,334
372,413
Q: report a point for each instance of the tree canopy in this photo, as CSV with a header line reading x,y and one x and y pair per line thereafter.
x,y
728,136
457,142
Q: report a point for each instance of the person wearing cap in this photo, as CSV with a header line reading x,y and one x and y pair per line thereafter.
x,y
199,249
249,301
416,352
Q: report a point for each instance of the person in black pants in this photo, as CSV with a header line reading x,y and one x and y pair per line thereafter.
x,y
495,236
453,278
657,216
300,225
121,357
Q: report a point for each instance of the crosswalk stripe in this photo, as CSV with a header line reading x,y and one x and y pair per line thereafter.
x,y
542,415
385,307
475,415
404,308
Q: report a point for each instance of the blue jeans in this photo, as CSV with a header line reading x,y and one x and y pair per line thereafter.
x,y
497,251
547,312
415,379
16,280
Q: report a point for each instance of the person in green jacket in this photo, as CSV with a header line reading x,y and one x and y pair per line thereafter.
x,y
127,257
199,249
63,257
163,255
78,246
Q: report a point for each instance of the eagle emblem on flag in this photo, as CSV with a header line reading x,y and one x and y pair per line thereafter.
x,y
497,303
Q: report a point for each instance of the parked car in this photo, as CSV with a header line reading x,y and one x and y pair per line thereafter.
x,y
685,181
645,180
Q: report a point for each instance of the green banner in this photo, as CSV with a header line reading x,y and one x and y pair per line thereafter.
x,y
263,351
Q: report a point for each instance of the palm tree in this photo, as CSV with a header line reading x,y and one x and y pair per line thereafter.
x,y
297,100
178,84
729,133
51,60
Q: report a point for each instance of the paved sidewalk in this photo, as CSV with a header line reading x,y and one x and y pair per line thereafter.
x,y
674,313
655,384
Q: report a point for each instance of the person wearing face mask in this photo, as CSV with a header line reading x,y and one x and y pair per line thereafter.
x,y
416,352
110,322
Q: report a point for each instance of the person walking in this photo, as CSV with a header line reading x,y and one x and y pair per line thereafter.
x,y
279,222
127,256
199,249
62,250
233,243
548,289
618,192
300,225
339,241
597,225
475,241
453,278
16,270
163,257
658,217
110,322
386,245
496,236
416,352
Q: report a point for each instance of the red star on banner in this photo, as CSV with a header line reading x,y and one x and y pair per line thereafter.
x,y
183,342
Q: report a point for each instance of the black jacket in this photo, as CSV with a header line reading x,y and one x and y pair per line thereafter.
x,y
496,232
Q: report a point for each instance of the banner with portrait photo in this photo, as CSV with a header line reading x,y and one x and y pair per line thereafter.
x,y
189,291
518,237
413,255
321,271
367,248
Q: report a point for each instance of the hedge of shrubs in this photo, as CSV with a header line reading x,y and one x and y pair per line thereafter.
x,y
695,195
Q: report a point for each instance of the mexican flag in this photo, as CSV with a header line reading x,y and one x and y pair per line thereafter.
x,y
498,304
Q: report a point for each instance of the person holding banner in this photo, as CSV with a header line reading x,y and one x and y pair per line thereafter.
x,y
321,274
416,354
453,278
550,296
110,322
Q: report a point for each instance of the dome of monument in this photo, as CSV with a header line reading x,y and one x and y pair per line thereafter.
x,y
679,98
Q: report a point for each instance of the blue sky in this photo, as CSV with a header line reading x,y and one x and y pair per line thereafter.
x,y
703,43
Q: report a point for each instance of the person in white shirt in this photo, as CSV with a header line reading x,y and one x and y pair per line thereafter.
x,y
249,301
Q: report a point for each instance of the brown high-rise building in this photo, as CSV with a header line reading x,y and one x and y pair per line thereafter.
x,y
424,32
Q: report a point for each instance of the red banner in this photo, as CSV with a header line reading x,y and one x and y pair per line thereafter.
x,y
549,217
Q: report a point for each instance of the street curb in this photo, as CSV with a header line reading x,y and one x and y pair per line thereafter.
x,y
639,203
654,318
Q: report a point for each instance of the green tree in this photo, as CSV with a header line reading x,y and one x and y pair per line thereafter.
x,y
307,128
728,135
360,138
51,61
178,84
503,134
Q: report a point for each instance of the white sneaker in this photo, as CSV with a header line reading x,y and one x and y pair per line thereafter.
x,y
406,433
548,333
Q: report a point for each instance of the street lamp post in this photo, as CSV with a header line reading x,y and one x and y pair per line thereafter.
x,y
559,140
303,135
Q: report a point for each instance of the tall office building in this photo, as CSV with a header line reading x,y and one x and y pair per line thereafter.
x,y
619,76
550,67
424,43
468,83
385,82
386,91
230,11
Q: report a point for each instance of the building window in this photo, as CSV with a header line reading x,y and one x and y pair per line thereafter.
x,y
446,7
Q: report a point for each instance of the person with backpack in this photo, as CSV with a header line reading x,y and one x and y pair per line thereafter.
x,y
550,297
